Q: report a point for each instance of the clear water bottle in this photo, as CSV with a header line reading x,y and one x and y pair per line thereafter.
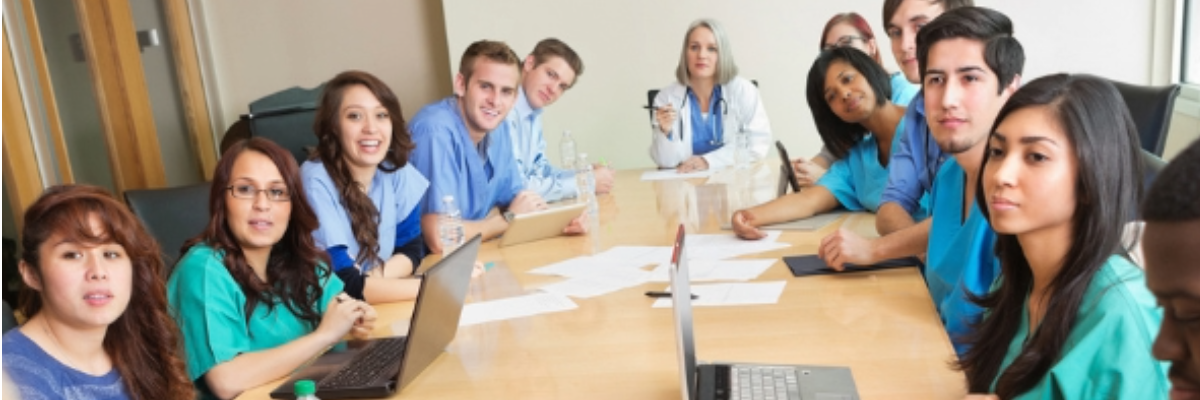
x,y
450,227
741,149
583,170
567,148
306,390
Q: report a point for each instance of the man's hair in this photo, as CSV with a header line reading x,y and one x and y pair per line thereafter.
x,y
1002,52
552,47
890,6
1175,194
492,50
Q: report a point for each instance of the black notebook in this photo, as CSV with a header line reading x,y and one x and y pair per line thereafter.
x,y
812,265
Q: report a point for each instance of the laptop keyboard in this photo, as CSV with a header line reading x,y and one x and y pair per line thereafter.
x,y
747,382
378,359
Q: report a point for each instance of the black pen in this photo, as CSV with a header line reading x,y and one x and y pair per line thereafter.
x,y
659,294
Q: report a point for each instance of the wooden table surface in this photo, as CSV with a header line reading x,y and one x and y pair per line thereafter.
x,y
880,324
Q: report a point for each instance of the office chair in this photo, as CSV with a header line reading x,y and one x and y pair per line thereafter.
x,y
286,118
1151,108
171,216
652,93
10,320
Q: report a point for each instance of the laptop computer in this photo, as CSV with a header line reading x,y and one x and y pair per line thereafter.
x,y
718,381
540,225
787,174
380,367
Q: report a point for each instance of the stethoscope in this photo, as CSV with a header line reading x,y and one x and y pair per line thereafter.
x,y
722,106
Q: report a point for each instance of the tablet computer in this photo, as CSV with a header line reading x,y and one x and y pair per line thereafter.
x,y
540,225
787,173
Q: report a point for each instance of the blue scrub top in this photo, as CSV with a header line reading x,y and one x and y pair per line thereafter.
x,y
1107,352
914,161
395,195
902,90
707,128
446,156
961,255
858,180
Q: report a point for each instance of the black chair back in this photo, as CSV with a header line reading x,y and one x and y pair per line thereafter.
x,y
171,216
286,118
10,320
1151,108
652,93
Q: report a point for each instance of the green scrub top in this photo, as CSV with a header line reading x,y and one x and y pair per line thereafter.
x,y
209,307
1107,354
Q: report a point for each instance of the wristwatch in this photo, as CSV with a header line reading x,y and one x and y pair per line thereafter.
x,y
508,216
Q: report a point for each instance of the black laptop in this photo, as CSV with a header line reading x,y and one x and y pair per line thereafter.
x,y
719,381
380,367
787,174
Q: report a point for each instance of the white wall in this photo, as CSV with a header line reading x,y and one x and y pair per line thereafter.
x,y
254,48
629,46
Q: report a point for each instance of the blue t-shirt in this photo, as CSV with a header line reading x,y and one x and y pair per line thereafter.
x,y
913,161
455,166
903,91
395,195
40,376
961,255
858,179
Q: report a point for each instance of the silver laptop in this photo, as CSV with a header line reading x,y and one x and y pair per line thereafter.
x,y
718,381
380,367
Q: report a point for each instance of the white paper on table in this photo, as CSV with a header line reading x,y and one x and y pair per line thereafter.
x,y
715,270
585,266
637,255
724,252
597,284
515,307
731,294
668,174
728,239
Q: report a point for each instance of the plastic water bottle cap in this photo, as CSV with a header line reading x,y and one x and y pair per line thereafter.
x,y
447,198
305,388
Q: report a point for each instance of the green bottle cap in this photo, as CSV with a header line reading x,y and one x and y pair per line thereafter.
x,y
305,387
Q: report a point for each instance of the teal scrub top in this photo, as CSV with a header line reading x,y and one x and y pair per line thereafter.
x,y
1107,354
858,179
961,255
209,307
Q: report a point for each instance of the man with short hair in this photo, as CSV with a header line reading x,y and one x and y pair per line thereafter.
x,y
1171,244
463,149
551,69
970,65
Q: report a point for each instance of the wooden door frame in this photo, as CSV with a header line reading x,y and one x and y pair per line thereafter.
x,y
21,187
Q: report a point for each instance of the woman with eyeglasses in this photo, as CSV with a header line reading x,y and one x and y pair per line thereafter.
x,y
850,30
848,94
254,297
698,117
99,325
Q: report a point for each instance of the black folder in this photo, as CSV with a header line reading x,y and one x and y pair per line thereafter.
x,y
812,265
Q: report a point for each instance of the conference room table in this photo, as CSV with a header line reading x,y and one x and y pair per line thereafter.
x,y
881,324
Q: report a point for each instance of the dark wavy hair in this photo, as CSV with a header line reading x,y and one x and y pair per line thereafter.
x,y
1108,189
1175,193
840,136
144,342
296,267
1002,52
364,217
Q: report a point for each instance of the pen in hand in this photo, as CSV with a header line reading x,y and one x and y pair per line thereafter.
x,y
661,294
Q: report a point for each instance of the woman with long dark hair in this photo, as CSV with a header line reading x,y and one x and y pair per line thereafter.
x,y
848,94
253,295
84,257
1070,316
364,191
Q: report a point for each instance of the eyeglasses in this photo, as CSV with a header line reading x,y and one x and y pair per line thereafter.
x,y
278,194
843,41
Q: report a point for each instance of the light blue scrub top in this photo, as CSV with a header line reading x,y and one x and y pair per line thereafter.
x,y
395,195
447,157
858,180
1107,353
961,255
902,90
529,147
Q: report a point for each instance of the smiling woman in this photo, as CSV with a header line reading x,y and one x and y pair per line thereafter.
x,y
83,257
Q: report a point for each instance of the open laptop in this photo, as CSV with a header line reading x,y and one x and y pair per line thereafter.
x,y
380,367
717,381
540,225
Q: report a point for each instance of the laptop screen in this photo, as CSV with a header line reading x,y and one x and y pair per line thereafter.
x,y
787,173
681,300
438,309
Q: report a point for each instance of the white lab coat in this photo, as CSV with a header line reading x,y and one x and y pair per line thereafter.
x,y
745,107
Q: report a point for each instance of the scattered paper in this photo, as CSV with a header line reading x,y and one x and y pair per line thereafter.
x,y
732,294
515,307
715,270
596,284
668,174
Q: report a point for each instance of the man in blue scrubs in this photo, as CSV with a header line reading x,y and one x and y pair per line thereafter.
x,y
549,71
1172,248
462,147
913,162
